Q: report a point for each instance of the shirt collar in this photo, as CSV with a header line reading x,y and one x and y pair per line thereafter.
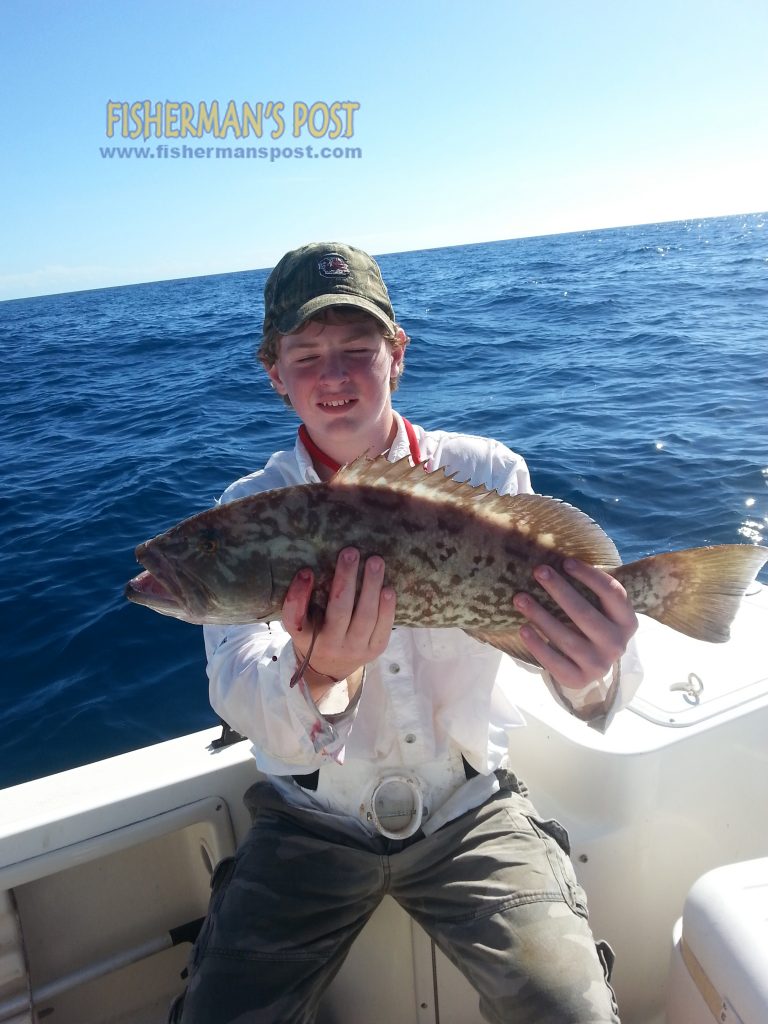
x,y
307,471
399,448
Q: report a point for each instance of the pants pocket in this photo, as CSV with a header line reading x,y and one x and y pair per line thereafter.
x,y
607,958
558,847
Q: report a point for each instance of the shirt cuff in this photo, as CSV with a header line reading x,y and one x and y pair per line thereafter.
x,y
327,723
598,703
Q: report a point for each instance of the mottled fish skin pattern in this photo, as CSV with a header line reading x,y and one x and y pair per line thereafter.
x,y
450,566
455,555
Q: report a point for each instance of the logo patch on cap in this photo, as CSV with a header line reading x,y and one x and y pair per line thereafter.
x,y
333,265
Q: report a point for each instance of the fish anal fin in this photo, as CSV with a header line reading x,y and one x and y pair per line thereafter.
x,y
508,642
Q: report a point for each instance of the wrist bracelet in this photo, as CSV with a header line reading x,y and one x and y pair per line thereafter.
x,y
323,674
303,665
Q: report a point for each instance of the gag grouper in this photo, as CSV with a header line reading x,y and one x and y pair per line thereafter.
x,y
455,555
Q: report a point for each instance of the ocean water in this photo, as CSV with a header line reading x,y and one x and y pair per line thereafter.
x,y
629,366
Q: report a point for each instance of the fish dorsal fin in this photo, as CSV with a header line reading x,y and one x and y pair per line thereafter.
x,y
536,519
555,524
379,471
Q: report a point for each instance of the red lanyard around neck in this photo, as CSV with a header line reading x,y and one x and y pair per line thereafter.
x,y
318,455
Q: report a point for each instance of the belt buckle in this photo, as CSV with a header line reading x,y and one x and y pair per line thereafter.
x,y
395,807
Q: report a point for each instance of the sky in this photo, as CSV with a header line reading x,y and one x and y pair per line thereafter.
x,y
457,121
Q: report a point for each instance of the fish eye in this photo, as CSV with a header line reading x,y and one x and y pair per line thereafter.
x,y
207,542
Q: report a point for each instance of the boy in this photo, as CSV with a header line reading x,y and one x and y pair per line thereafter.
x,y
387,762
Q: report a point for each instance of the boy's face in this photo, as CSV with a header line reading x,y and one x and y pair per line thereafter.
x,y
337,376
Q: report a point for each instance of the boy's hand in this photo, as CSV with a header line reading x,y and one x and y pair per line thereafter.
x,y
352,633
583,650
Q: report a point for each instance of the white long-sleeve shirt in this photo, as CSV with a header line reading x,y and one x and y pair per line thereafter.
x,y
432,694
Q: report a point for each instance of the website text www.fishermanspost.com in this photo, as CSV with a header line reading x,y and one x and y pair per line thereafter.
x,y
235,127
161,151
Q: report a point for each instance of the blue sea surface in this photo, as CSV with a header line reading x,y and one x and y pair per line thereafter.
x,y
629,366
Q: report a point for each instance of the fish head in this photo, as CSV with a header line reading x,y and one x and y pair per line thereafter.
x,y
205,572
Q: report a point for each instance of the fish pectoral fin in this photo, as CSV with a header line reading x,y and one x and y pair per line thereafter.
x,y
507,641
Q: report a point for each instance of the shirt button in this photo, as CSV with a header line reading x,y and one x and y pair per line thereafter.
x,y
410,738
394,668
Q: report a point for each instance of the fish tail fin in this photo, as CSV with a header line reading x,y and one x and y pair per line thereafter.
x,y
696,591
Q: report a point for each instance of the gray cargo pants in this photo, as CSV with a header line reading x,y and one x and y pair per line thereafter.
x,y
494,888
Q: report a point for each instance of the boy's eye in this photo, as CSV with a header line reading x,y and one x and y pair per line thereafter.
x,y
305,360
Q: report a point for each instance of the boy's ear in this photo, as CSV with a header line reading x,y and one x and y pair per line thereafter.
x,y
277,383
398,351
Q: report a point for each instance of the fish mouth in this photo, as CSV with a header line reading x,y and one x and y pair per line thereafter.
x,y
164,588
148,590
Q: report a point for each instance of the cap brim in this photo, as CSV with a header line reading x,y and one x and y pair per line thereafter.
x,y
289,324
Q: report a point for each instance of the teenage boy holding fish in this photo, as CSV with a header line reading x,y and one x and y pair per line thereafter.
x,y
386,750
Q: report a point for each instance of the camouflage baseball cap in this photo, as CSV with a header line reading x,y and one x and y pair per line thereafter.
x,y
320,275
